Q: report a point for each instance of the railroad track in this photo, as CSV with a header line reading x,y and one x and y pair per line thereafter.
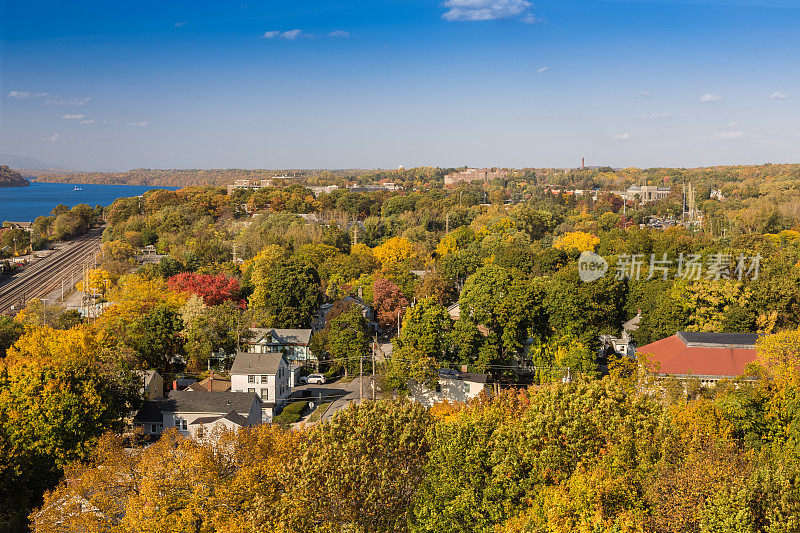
x,y
46,275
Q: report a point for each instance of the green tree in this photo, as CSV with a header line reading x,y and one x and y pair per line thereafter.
x,y
348,339
288,294
362,469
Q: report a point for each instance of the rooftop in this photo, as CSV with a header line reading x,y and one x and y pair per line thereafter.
x,y
208,402
256,363
270,336
703,354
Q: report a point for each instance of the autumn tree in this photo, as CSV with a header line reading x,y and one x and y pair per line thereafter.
x,y
61,390
213,289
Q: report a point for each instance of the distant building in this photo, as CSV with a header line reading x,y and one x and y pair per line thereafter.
x,y
484,175
452,386
152,384
708,357
293,343
322,189
18,225
645,193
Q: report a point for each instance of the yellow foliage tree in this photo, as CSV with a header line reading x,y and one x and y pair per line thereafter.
x,y
577,240
394,252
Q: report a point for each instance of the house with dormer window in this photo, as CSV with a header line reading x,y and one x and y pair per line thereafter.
x,y
265,374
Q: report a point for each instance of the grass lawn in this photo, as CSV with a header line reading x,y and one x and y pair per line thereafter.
x,y
318,412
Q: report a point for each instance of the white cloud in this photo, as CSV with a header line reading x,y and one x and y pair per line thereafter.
x,y
53,138
180,24
58,101
530,18
734,124
777,95
87,121
543,69
622,137
477,10
644,94
657,115
729,135
25,95
290,35
140,124
73,117
708,98
340,34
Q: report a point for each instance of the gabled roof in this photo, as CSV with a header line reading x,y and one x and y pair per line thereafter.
x,y
215,384
703,354
256,363
233,416
277,337
449,373
208,402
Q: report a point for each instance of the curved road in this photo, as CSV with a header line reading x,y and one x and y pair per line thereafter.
x,y
45,276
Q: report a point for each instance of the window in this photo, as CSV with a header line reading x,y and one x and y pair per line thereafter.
x,y
180,424
251,390
264,379
265,394
251,379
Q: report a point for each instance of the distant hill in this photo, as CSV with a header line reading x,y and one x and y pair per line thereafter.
x,y
11,178
22,162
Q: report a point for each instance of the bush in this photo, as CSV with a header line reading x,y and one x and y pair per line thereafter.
x,y
291,414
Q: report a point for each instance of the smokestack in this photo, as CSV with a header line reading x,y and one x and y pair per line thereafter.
x,y
582,163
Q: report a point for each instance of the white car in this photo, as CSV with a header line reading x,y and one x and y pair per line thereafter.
x,y
317,379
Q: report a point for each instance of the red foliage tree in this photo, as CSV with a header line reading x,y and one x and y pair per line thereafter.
x,y
388,300
212,289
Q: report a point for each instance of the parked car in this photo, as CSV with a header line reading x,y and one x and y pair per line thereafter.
x,y
317,379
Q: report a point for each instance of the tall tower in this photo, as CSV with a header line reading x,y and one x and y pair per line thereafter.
x,y
582,164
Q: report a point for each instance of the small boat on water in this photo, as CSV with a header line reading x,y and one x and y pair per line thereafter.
x,y
77,188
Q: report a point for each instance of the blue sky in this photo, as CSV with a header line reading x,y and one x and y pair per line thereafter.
x,y
314,84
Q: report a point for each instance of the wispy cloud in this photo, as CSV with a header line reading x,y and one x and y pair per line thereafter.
x,y
339,34
180,24
734,124
25,95
88,121
656,115
478,10
730,135
73,117
289,35
53,138
644,94
543,69
622,137
709,98
140,124
777,95
59,101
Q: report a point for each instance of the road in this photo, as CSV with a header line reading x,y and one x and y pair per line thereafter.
x,y
339,394
46,275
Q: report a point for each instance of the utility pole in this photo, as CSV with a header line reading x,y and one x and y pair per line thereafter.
x,y
361,379
374,344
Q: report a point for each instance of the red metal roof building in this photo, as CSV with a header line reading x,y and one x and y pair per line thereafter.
x,y
706,356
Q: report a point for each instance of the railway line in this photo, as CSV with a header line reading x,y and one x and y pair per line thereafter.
x,y
47,275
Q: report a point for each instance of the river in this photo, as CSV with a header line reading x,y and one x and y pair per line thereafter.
x,y
24,204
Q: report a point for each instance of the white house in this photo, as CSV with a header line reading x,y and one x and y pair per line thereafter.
x,y
292,342
190,412
265,374
452,386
